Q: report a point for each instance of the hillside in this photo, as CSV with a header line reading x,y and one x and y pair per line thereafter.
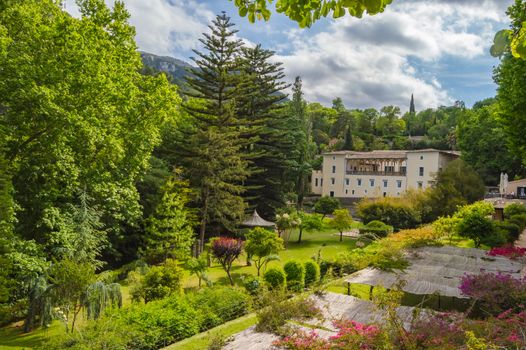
x,y
176,68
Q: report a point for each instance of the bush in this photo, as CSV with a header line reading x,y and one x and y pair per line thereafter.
x,y
495,293
253,284
508,229
375,229
274,317
519,220
326,205
159,282
478,228
312,273
514,209
220,305
295,275
393,212
275,278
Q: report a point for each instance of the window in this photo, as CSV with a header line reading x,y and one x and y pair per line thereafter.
x,y
421,157
399,183
321,182
316,182
334,169
347,182
352,191
333,158
371,182
359,182
420,184
385,194
421,171
333,180
385,183
331,193
346,191
389,169
403,169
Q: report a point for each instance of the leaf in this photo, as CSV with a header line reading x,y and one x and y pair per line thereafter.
x,y
243,11
251,17
500,43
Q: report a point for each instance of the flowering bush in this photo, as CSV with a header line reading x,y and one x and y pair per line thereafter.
x,y
495,292
508,251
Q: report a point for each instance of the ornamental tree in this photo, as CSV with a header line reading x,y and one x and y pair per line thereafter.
x,y
342,221
263,245
326,205
225,250
308,223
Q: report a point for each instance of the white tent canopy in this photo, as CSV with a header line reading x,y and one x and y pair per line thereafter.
x,y
437,270
257,221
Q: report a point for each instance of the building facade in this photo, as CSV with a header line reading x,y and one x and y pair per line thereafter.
x,y
349,174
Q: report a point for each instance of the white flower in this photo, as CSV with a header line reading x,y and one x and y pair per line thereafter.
x,y
286,216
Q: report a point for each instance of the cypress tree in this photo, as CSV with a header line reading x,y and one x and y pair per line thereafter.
x,y
301,131
265,128
348,144
412,109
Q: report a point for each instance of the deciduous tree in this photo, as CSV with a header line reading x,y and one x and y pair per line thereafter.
x,y
263,246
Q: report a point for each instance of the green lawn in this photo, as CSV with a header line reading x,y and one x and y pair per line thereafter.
x,y
224,331
328,241
12,338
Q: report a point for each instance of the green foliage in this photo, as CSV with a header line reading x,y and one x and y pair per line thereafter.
x,y
70,280
341,221
262,246
312,273
159,282
456,185
478,228
376,229
484,145
305,13
198,267
253,284
274,317
77,129
169,231
514,209
275,278
219,305
295,272
309,222
326,205
394,212
519,220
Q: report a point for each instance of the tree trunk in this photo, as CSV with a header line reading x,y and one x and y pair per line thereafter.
x,y
202,229
75,313
341,236
299,237
229,277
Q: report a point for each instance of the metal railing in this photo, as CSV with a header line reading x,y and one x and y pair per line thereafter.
x,y
378,173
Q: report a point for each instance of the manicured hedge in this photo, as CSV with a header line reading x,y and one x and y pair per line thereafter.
x,y
295,275
275,278
312,273
376,228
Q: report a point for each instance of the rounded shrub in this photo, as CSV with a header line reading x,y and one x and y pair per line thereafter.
x,y
253,284
514,209
376,228
511,230
519,220
312,273
295,273
275,278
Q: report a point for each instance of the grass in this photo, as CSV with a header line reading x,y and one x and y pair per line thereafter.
x,y
224,331
326,242
12,338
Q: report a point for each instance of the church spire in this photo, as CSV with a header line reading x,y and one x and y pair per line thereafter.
x,y
412,109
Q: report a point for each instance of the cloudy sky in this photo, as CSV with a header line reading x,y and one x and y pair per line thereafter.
x,y
436,49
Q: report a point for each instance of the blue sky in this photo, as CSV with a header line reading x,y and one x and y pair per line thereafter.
x,y
436,49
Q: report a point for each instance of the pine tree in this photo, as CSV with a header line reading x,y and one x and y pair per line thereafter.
x,y
169,231
210,142
265,128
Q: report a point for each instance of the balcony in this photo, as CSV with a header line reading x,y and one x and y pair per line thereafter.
x,y
376,173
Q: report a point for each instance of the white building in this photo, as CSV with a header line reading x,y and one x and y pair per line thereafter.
x,y
378,173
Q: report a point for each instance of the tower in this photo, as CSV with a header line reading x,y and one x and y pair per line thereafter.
x,y
412,109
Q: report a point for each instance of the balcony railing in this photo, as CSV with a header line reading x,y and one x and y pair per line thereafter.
x,y
378,173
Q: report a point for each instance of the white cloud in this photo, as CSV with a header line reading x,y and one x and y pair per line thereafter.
x,y
165,27
370,61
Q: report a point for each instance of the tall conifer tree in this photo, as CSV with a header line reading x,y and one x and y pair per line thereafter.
x,y
211,141
265,128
